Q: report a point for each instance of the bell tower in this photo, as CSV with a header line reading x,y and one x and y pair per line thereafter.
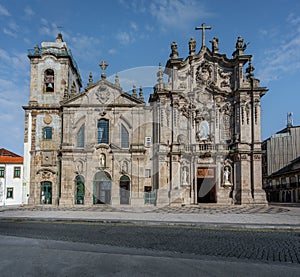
x,y
54,76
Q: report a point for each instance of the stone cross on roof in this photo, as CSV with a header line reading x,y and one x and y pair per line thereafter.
x,y
103,66
203,27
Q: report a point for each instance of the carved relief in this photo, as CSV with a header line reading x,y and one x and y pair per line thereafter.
x,y
257,157
102,94
47,119
225,78
204,73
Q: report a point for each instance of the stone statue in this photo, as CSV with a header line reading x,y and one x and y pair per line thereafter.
x,y
184,177
226,175
125,166
102,160
174,53
215,45
240,47
192,46
204,130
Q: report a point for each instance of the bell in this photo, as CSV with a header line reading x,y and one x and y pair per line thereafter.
x,y
50,85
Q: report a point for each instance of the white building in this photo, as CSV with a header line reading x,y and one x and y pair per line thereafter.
x,y
11,179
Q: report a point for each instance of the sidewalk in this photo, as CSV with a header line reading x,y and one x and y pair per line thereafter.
x,y
244,217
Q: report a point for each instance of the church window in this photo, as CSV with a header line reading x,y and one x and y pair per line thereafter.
x,y
80,136
103,131
49,80
47,133
124,137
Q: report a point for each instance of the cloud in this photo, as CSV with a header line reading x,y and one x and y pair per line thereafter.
x,y
4,11
13,65
29,12
137,6
144,76
112,51
285,57
9,32
134,26
124,38
179,13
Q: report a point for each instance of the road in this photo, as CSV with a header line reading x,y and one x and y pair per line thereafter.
x,y
131,250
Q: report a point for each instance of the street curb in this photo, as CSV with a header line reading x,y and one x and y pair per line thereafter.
x,y
201,225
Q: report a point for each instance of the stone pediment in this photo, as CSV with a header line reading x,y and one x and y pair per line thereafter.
x,y
102,93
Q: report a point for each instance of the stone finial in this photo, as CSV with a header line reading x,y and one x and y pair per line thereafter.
x,y
59,38
90,78
134,91
192,46
117,83
250,69
214,45
141,93
174,53
159,74
103,66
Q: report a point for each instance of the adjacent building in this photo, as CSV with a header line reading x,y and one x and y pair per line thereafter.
x,y
281,165
197,139
12,191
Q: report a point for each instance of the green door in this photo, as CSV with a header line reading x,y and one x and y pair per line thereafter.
x,y
79,197
46,192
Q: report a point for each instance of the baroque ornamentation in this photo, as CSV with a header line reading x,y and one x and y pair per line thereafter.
x,y
204,74
102,94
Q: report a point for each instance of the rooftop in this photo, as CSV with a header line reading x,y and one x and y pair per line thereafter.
x,y
8,157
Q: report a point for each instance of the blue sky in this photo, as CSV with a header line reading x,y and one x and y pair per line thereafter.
x,y
131,35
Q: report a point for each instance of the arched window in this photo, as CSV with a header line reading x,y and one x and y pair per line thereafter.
x,y
80,136
103,131
49,80
124,137
47,133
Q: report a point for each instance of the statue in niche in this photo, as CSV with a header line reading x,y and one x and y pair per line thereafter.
x,y
203,133
184,176
102,160
125,166
226,176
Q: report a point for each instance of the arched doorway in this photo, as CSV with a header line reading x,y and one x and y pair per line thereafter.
x,y
102,188
46,192
79,187
124,189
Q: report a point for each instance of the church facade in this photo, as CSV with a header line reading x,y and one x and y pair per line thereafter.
x,y
196,141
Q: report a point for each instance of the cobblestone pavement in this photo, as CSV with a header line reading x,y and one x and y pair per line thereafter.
x,y
221,210
193,209
264,246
